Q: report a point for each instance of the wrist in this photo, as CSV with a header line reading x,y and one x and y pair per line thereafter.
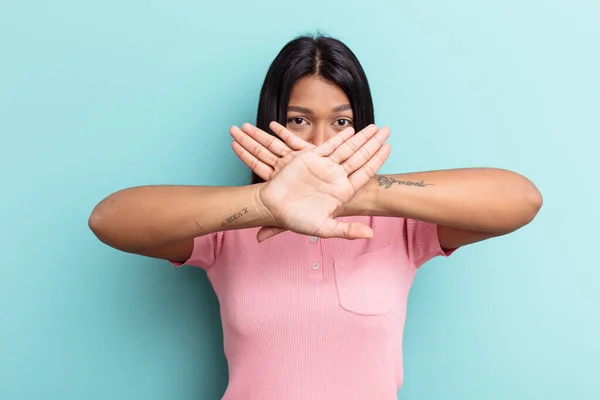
x,y
264,214
362,202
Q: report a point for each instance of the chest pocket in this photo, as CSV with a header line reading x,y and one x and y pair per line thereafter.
x,y
370,284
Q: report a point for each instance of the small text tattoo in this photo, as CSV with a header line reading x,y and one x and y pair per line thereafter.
x,y
235,216
388,181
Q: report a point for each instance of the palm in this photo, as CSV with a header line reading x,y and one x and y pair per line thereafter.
x,y
305,196
280,163
307,186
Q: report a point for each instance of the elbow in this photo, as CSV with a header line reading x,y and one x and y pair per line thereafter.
x,y
95,222
534,201
99,222
520,210
530,204
112,225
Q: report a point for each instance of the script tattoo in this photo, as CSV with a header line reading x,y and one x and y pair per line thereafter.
x,y
235,216
388,181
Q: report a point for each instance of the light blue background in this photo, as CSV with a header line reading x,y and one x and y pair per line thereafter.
x,y
96,96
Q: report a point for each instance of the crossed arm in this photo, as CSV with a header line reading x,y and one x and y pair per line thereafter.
x,y
337,178
468,205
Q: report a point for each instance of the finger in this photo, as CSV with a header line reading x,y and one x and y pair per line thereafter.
x,y
325,149
293,141
364,153
359,178
271,142
346,230
350,146
258,167
254,147
267,232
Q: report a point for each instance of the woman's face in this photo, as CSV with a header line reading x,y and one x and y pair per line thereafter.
x,y
318,110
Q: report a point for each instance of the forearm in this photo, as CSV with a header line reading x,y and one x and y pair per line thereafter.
x,y
479,199
148,216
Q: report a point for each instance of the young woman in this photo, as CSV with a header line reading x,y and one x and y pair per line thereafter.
x,y
312,263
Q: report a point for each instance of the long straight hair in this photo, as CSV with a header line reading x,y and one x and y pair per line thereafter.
x,y
321,56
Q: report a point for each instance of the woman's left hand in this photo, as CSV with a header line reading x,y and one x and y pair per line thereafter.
x,y
265,154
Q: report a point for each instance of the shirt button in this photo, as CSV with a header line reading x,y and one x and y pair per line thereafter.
x,y
315,265
313,239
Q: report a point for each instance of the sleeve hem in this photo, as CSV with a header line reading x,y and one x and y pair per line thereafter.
x,y
194,260
178,264
432,229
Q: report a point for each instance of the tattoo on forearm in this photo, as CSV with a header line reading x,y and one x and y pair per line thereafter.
x,y
388,181
235,216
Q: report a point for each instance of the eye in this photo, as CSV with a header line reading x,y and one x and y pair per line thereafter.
x,y
343,122
296,120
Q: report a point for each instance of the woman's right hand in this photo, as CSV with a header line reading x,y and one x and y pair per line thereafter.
x,y
306,194
266,154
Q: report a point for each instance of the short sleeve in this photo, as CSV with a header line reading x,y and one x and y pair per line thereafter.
x,y
205,252
423,242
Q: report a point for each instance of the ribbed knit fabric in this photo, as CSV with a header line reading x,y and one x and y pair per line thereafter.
x,y
315,319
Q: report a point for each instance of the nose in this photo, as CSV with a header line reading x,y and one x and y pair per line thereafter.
x,y
320,134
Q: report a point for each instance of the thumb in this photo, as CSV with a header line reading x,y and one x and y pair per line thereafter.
x,y
346,230
267,232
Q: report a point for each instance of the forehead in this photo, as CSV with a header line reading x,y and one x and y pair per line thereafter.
x,y
318,94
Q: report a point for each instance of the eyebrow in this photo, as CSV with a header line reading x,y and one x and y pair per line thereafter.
x,y
343,107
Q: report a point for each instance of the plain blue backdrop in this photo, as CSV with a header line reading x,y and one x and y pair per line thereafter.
x,y
97,96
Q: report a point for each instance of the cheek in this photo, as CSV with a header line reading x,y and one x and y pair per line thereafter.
x,y
313,135
303,132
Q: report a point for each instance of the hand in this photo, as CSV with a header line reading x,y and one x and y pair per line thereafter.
x,y
306,194
265,154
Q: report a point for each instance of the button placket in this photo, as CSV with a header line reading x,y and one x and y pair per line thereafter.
x,y
315,262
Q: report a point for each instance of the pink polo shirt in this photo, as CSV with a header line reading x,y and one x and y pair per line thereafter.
x,y
315,319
